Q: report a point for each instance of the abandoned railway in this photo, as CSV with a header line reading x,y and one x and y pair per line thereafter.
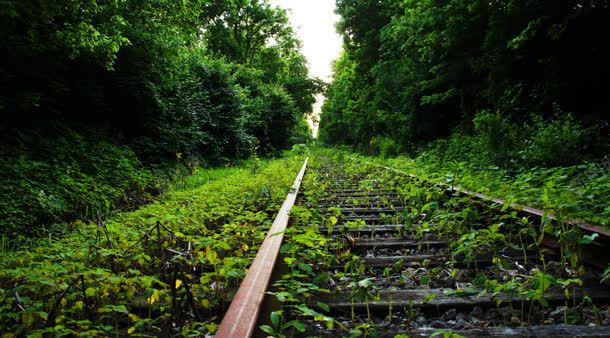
x,y
364,250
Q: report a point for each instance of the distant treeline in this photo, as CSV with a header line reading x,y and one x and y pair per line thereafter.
x,y
525,76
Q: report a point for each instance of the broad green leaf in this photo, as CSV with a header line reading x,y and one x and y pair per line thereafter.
x,y
323,306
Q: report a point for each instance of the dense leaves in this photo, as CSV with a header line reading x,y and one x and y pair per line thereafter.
x,y
198,81
48,180
575,192
414,71
168,268
150,70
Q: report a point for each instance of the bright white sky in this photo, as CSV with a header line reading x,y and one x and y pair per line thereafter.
x,y
314,23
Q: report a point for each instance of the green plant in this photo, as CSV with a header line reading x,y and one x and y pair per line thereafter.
x,y
147,268
446,334
606,275
70,177
278,327
362,290
556,142
566,284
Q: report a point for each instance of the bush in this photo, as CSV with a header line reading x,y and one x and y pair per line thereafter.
x,y
270,115
52,180
499,142
458,147
388,147
381,146
557,142
496,136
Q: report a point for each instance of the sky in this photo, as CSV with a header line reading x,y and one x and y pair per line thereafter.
x,y
314,24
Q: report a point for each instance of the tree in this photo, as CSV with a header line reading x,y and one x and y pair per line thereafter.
x,y
161,74
240,29
421,69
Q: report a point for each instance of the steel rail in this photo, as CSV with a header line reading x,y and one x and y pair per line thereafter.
x,y
525,209
242,315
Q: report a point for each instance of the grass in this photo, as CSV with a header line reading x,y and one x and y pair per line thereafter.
x,y
579,191
168,267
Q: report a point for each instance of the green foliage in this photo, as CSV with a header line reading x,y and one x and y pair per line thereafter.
x,y
167,268
166,80
51,179
557,142
477,233
143,68
576,191
496,136
497,141
416,71
301,134
387,146
230,32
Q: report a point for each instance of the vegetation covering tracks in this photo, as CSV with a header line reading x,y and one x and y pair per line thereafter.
x,y
100,98
168,268
579,191
445,264
487,95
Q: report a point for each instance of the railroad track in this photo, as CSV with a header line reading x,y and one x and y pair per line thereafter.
x,y
393,256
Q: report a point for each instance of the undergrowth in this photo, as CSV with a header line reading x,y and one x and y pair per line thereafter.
x,y
579,191
316,264
169,267
556,164
49,180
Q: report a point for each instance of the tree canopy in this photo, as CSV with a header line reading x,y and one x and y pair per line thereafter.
x,y
202,78
414,71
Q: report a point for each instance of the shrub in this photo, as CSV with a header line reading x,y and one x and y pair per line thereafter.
x,y
301,133
497,137
388,147
54,179
459,147
556,142
381,146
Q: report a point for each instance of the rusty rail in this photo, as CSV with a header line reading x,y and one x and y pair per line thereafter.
x,y
240,320
522,208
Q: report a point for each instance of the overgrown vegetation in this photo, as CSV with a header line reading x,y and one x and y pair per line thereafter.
x,y
106,102
169,267
95,94
514,84
488,95
489,252
576,192
546,165
46,181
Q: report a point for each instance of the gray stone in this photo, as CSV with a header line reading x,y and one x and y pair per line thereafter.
x,y
491,314
557,313
449,314
477,311
461,324
438,324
